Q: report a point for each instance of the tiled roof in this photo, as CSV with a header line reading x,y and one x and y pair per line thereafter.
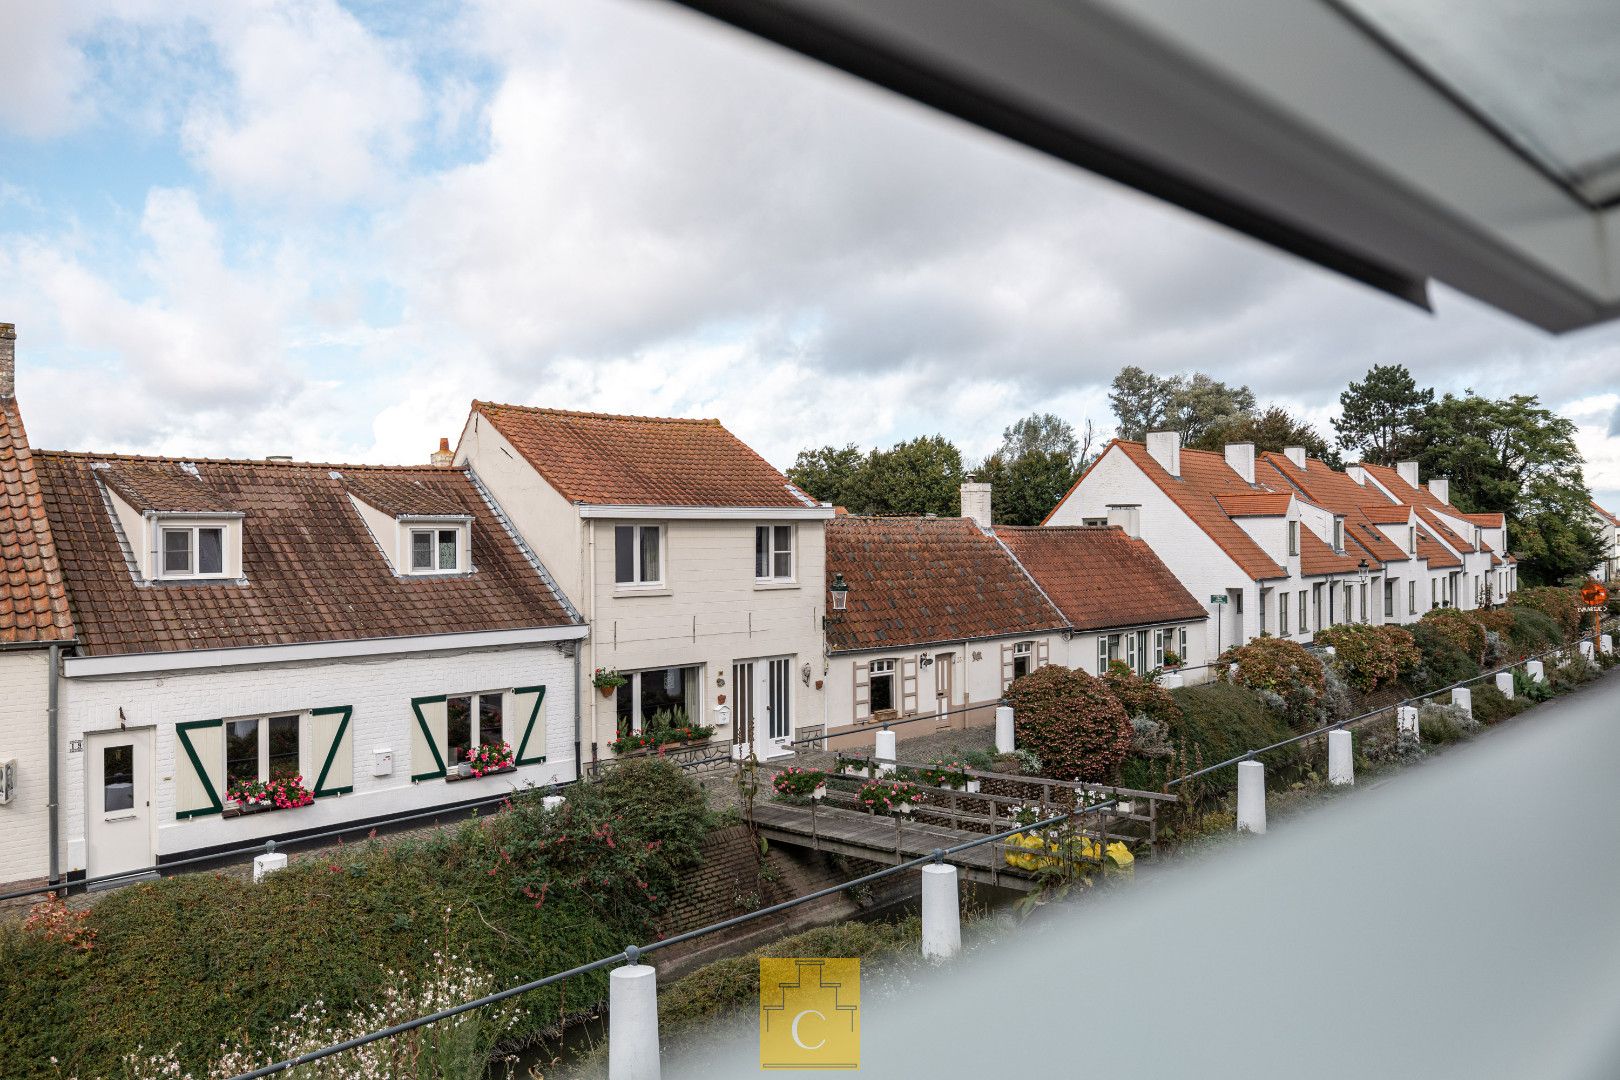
x,y
1388,514
922,580
313,570
1606,515
164,487
1255,504
1442,530
401,494
1099,577
1203,477
1317,558
33,601
1434,552
1370,537
1324,485
641,461
1484,521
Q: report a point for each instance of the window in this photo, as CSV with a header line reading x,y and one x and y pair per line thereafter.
x,y
1130,651
1282,614
435,551
1316,605
1107,650
1389,597
261,748
660,697
1263,593
1158,647
1182,652
1434,592
773,553
881,675
194,552
1237,602
1023,656
1293,538
1411,539
1303,628
1338,534
1094,521
1411,597
1349,603
471,720
636,555
117,778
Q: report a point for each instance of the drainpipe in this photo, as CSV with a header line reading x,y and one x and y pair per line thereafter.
x,y
51,769
579,766
590,591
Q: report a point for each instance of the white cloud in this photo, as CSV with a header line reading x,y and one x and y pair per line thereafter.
x,y
42,91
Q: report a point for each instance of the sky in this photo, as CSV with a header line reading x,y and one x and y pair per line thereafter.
x,y
321,229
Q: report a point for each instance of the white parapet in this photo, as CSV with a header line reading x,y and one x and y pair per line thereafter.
x,y
1406,718
268,863
941,912
1504,683
884,752
1535,670
633,1023
1004,729
1341,758
1463,698
1251,808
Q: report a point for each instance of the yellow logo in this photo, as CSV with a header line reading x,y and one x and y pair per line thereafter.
x,y
809,1013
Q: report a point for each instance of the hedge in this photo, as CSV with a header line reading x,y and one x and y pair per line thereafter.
x,y
1370,656
1072,722
1561,605
1284,671
1444,662
1216,721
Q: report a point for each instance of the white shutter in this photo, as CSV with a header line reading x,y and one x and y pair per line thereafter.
x,y
428,737
1006,665
908,686
331,738
863,691
527,719
199,768
1043,653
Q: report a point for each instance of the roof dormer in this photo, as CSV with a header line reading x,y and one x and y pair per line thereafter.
x,y
422,532
176,527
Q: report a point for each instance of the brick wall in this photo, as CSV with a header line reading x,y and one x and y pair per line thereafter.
x,y
25,822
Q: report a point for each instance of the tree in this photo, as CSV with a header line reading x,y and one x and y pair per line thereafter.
x,y
1140,401
1273,430
1381,415
832,474
919,476
1037,461
1517,458
1193,405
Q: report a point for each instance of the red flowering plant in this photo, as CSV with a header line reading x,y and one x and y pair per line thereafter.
x,y
53,920
796,783
631,741
889,796
490,757
279,793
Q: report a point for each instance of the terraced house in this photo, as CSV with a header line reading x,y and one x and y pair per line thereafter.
x,y
1608,569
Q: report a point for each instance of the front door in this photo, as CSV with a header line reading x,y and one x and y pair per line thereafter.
x,y
764,691
944,683
742,715
779,694
118,829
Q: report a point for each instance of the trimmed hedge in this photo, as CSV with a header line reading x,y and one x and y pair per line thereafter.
x,y
1072,722
1561,605
1532,631
1459,628
1216,721
1370,656
1443,662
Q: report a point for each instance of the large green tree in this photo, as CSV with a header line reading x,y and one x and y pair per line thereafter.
x,y
1193,404
1273,429
1380,415
1518,458
919,476
834,474
1035,465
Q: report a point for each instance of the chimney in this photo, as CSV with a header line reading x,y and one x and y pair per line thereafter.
x,y
1356,473
1165,448
1128,518
443,456
8,361
1440,488
1240,455
1408,471
1296,454
976,503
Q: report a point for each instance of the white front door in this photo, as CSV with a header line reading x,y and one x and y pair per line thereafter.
x,y
764,713
118,793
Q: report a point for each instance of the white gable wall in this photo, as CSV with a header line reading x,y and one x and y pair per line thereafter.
x,y
25,821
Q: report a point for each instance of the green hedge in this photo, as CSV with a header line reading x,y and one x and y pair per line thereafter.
x,y
1443,663
191,962
1218,720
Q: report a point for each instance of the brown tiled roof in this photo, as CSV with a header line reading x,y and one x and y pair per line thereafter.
x,y
1324,485
33,601
1428,507
1371,538
1484,521
401,494
1203,477
1610,517
1255,504
1434,552
1388,514
1099,577
164,487
313,570
641,461
1442,530
1316,557
915,581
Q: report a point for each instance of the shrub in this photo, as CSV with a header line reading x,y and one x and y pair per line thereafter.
x,y
1140,695
1370,656
1458,628
1439,724
1072,722
1561,605
1284,672
1443,662
1491,706
1532,631
1214,722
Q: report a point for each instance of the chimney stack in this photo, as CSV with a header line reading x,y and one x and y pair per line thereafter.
x,y
8,361
443,457
1440,488
1356,473
1296,454
1165,448
1241,457
976,503
1408,471
1128,518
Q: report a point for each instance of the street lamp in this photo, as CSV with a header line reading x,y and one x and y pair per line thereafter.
x,y
840,592
1362,567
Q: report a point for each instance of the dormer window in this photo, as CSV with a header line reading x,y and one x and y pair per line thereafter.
x,y
435,551
1338,534
193,551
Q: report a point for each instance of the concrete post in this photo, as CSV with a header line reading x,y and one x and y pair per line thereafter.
x,y
268,863
633,1023
1588,650
1536,670
941,912
1606,643
1464,697
1341,758
883,753
1406,718
1504,683
1172,680
1004,729
1251,808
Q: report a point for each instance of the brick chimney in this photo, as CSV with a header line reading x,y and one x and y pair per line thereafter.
x,y
443,457
976,503
8,361
1165,448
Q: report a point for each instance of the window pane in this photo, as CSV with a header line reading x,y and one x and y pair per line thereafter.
x,y
421,550
624,707
177,551
784,564
882,692
649,553
447,548
762,553
210,551
283,736
663,690
489,718
241,751
784,551
117,778
457,728
624,554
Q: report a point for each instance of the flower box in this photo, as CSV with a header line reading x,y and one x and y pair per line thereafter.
x,y
794,783
255,796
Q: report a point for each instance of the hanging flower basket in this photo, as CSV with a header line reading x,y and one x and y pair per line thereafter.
x,y
607,680
889,796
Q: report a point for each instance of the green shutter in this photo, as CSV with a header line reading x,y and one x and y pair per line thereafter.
x,y
199,774
531,748
334,748
424,744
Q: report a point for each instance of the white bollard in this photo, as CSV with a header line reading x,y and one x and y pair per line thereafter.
x,y
1464,697
1004,729
1341,759
551,802
633,1023
1588,650
1172,680
1536,670
1504,683
268,863
1251,809
884,753
941,912
1606,643
1406,718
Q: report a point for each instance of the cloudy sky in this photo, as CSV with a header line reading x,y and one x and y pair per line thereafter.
x,y
321,229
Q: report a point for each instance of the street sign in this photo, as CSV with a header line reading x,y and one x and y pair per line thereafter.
x,y
1220,598
1594,595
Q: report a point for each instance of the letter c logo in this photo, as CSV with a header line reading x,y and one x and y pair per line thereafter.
x,y
800,1042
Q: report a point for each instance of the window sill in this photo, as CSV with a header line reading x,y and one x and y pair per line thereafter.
x,y
456,777
629,591
231,810
771,586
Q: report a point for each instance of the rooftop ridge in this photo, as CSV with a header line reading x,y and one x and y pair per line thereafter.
x,y
179,460
585,414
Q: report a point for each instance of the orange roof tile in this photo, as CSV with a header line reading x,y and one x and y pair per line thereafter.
x,y
601,459
1099,577
1434,552
1317,558
1604,513
1255,504
33,600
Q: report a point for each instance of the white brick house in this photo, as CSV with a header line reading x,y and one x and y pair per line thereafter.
x,y
1608,569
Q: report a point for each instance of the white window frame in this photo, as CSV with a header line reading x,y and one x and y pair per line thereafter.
x,y
1411,597
1282,615
1025,651
882,669
1158,647
1338,534
477,738
1181,634
263,739
193,548
637,532
435,550
771,552
1293,537
1304,612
